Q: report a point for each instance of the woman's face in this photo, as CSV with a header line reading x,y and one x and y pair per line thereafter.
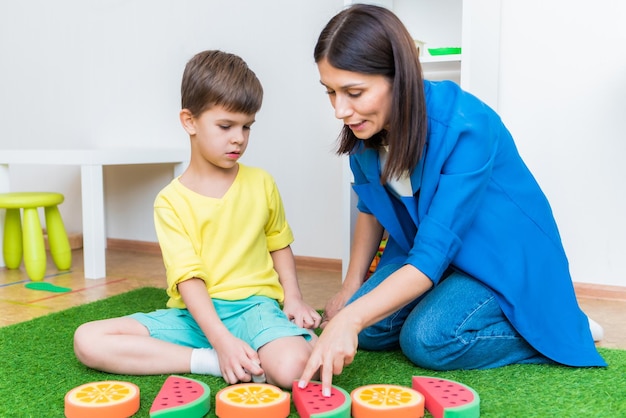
x,y
361,101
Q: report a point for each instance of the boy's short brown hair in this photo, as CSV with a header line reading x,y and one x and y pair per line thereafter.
x,y
217,78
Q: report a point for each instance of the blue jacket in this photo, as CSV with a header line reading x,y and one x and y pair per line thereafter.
x,y
477,208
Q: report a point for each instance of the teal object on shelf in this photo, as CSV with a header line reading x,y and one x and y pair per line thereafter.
x,y
444,51
25,238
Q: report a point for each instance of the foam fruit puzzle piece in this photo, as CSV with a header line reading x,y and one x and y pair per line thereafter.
x,y
386,401
310,403
181,397
47,287
252,400
106,399
447,398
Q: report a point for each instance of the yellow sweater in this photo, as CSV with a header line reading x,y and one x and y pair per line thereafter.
x,y
225,242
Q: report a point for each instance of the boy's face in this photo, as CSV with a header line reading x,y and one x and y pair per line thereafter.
x,y
219,136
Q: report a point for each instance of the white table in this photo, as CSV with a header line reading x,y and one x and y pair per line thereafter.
x,y
92,187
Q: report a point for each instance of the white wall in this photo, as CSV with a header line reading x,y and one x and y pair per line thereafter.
x,y
106,73
562,93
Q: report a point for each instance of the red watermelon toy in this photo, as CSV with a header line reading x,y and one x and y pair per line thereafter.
x,y
182,397
310,403
447,398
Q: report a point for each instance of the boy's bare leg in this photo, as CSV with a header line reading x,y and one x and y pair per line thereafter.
x,y
124,346
283,359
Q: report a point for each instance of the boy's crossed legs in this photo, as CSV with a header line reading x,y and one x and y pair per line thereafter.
x,y
168,341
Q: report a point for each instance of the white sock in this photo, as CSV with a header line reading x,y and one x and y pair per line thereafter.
x,y
204,361
258,378
597,332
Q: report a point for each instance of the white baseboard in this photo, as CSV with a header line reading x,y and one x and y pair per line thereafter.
x,y
583,290
317,263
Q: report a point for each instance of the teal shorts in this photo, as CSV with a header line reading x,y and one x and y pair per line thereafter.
x,y
256,320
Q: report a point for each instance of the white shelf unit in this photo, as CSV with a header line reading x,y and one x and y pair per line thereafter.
x,y
438,24
442,67
435,59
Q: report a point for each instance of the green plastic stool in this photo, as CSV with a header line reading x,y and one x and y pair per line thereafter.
x,y
27,238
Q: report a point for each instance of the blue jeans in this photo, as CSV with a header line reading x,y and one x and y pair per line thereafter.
x,y
458,324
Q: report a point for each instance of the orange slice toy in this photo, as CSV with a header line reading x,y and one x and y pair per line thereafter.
x,y
386,401
252,400
106,399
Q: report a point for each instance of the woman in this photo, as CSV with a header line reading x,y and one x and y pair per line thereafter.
x,y
474,274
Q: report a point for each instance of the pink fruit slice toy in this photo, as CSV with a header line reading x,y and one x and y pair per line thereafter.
x,y
447,398
310,403
181,397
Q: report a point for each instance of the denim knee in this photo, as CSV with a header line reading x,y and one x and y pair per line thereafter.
x,y
426,348
384,334
378,338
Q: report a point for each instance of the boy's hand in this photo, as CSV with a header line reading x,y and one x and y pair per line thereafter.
x,y
301,314
238,361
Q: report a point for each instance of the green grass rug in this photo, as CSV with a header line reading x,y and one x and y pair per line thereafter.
x,y
38,367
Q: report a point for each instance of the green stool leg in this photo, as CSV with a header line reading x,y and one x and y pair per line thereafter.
x,y
34,249
12,243
57,239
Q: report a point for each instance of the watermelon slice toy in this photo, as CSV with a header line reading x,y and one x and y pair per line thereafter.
x,y
181,397
447,398
310,403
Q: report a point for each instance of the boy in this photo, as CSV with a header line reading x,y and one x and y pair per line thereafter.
x,y
226,248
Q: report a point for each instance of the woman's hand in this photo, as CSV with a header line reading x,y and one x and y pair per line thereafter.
x,y
337,303
336,346
301,313
335,349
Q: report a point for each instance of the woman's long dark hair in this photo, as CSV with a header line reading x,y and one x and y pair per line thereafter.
x,y
372,40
